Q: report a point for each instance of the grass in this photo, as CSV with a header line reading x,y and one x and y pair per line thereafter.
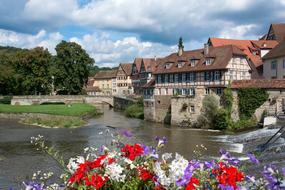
x,y
54,122
79,109
135,111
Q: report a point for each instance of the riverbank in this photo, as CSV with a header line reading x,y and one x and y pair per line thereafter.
x,y
135,110
50,116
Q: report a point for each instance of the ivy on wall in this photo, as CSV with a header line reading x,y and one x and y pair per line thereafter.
x,y
249,100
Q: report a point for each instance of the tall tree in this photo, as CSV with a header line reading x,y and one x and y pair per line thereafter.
x,y
33,69
72,68
180,43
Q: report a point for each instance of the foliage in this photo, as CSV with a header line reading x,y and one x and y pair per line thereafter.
x,y
249,100
222,120
135,110
227,99
70,122
67,110
137,166
72,68
208,112
6,100
95,69
243,123
33,67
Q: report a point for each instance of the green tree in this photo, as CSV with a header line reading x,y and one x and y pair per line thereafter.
x,y
72,68
33,71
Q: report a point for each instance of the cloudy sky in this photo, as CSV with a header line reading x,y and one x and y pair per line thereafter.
x,y
114,31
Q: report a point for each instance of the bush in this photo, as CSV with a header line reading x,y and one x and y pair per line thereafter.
x,y
243,123
227,99
222,120
249,100
135,110
6,100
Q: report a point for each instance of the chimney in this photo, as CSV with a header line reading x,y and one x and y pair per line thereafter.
x,y
206,49
155,58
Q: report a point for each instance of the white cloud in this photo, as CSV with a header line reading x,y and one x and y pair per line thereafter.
x,y
42,38
238,32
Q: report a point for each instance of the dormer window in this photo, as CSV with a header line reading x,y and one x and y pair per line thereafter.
x,y
180,64
193,62
208,61
168,65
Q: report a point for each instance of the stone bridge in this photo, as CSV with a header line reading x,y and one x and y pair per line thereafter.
x,y
67,99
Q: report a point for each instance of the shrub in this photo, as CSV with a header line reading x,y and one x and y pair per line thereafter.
x,y
6,100
243,123
135,111
222,120
249,100
227,99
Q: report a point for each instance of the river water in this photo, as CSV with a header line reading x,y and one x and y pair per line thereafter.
x,y
19,159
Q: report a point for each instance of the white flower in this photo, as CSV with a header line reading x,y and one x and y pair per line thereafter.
x,y
166,156
74,162
115,172
177,167
162,178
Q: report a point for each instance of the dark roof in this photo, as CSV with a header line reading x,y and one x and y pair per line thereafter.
x,y
138,62
279,31
150,64
90,81
108,74
259,83
278,51
127,67
221,56
150,84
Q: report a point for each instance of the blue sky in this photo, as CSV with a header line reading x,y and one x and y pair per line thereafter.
x,y
114,31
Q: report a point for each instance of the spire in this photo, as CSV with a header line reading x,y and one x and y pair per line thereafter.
x,y
180,46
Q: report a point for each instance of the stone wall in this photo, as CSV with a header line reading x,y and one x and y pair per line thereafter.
x,y
162,108
273,106
149,110
185,108
122,103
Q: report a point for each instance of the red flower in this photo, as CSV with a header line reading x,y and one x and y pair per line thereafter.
x,y
192,184
144,174
96,181
132,152
228,175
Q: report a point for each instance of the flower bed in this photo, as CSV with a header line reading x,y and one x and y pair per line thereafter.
x,y
137,167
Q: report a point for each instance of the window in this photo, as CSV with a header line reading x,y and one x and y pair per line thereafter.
x,y
218,75
183,77
162,79
273,65
158,79
180,64
166,91
193,62
176,78
180,78
191,91
168,65
218,91
192,109
207,91
207,76
171,78
208,61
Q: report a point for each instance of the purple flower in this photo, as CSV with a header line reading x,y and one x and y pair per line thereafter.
x,y
225,155
283,171
269,174
161,141
146,149
225,187
253,158
126,133
31,185
209,164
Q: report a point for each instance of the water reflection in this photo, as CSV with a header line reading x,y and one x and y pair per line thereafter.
x,y
19,159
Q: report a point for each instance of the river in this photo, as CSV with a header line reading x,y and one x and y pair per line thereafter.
x,y
19,159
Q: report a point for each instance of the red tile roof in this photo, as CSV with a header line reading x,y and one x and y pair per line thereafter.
x,y
107,74
150,64
138,62
127,67
93,89
259,83
279,31
278,51
246,46
150,84
221,56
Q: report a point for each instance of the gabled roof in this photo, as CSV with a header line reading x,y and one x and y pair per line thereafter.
x,y
246,46
221,56
260,83
138,62
107,74
278,51
127,68
279,31
150,84
150,64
